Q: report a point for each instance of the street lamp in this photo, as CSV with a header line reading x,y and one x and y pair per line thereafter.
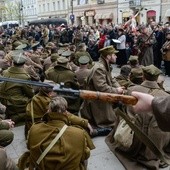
x,y
21,12
72,15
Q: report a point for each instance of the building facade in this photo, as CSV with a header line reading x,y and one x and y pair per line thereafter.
x,y
165,11
53,8
91,11
148,10
95,12
30,11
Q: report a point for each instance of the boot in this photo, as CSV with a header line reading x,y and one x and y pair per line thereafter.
x,y
101,132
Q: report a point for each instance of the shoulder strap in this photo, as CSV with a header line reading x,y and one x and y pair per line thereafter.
x,y
32,111
143,137
51,144
97,65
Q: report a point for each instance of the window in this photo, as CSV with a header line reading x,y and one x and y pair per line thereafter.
x,y
48,7
58,5
43,7
82,2
39,8
137,2
63,2
53,6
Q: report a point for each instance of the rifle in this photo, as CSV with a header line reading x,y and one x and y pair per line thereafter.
x,y
71,93
142,45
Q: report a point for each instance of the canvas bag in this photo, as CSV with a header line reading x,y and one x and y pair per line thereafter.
x,y
123,135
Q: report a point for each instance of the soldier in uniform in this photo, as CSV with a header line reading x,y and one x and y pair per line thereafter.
x,y
77,36
123,78
139,152
83,72
159,106
134,62
100,114
6,135
37,107
136,75
13,95
45,35
78,151
145,43
166,54
61,73
82,52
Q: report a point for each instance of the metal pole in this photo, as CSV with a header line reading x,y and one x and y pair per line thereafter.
x,y
21,13
160,18
72,20
117,11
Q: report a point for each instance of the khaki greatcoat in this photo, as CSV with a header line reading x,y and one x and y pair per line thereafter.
x,y
69,153
148,124
13,95
62,74
100,114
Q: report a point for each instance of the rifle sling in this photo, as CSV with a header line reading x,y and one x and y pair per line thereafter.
x,y
143,137
32,111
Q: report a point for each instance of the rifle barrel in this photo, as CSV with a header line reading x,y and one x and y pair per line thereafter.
x,y
29,82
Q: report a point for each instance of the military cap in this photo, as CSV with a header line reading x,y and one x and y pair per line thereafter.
x,y
50,45
81,45
60,51
151,72
83,60
35,44
16,44
136,73
62,60
54,57
25,42
18,57
20,47
66,45
2,54
133,58
125,70
107,50
60,44
14,37
66,53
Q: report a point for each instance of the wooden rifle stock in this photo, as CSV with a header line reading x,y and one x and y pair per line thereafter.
x,y
107,97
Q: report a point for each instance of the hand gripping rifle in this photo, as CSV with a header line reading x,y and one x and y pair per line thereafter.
x,y
141,45
85,94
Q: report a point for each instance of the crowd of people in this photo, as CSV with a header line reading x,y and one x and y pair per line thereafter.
x,y
81,57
